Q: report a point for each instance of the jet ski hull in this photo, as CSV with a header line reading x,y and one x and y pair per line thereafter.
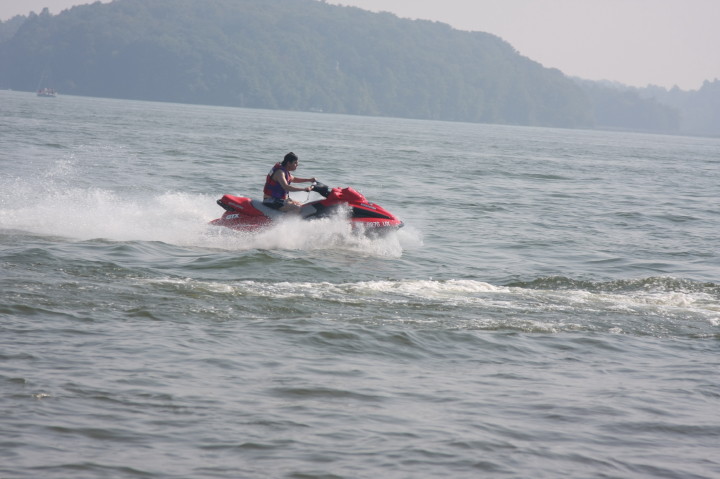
x,y
246,214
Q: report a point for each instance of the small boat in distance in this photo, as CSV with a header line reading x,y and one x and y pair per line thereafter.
x,y
42,90
47,92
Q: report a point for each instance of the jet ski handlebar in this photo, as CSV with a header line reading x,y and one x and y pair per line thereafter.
x,y
320,188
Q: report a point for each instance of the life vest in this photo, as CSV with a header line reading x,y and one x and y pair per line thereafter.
x,y
273,188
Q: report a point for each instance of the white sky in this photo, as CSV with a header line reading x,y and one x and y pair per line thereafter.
x,y
636,42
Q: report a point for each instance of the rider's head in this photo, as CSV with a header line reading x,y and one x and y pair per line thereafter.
x,y
289,158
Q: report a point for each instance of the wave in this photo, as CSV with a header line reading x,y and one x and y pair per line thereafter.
x,y
649,306
661,283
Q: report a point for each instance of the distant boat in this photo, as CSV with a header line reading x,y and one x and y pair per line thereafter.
x,y
47,92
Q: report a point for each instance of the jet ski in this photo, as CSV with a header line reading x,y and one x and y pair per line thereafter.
x,y
246,214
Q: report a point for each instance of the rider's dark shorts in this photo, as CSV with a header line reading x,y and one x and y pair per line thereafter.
x,y
274,203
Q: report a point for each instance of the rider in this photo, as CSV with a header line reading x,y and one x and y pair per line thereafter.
x,y
277,185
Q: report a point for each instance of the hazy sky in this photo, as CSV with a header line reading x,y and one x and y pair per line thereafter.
x,y
636,42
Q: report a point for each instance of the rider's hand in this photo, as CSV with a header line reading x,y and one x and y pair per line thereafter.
x,y
308,189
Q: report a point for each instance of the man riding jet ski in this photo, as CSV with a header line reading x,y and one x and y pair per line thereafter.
x,y
245,214
277,185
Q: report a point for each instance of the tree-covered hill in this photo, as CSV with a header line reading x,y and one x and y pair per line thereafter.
x,y
699,109
299,55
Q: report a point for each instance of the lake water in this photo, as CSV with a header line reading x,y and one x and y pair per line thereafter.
x,y
550,309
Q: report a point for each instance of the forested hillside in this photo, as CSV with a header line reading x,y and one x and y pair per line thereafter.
x,y
302,55
699,110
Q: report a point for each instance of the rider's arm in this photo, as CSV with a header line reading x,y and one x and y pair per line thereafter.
x,y
280,178
303,180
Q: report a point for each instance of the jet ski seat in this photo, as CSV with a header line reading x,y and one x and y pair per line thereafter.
x,y
266,210
305,211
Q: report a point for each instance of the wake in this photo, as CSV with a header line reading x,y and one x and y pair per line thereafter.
x,y
175,218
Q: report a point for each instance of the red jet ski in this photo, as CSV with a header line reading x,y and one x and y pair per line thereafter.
x,y
246,214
